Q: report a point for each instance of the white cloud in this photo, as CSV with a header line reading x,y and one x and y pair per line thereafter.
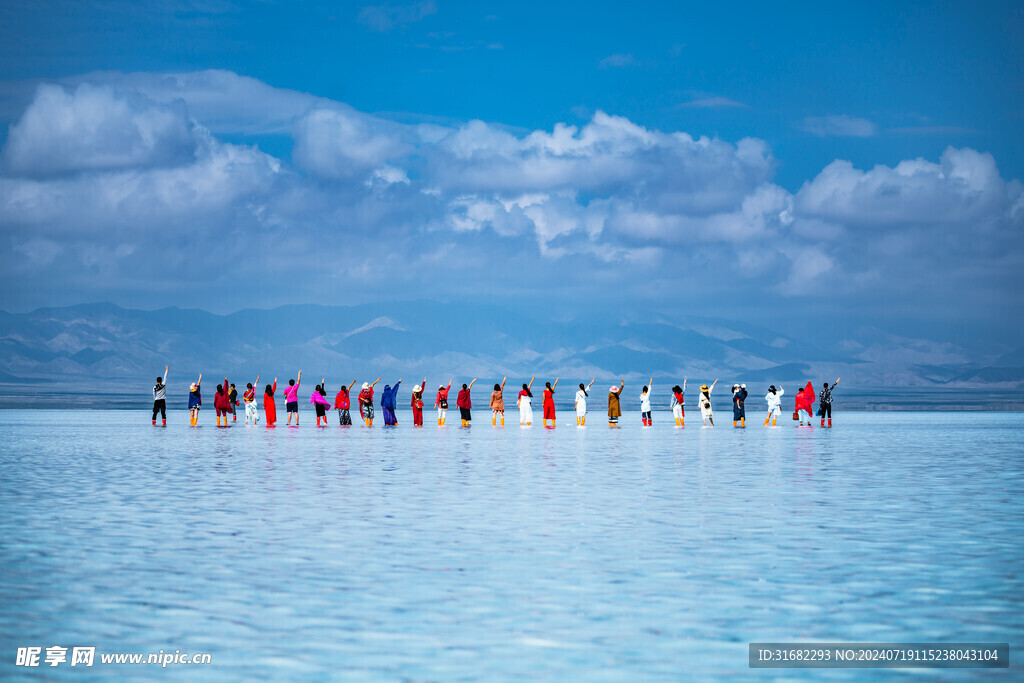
x,y
339,142
617,61
385,17
536,209
714,103
97,128
839,126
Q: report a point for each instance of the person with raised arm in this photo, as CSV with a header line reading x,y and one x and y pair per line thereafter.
x,y
195,399
388,403
441,403
704,401
465,403
417,403
645,404
320,403
291,399
249,398
342,403
525,403
233,403
160,397
824,402
581,403
549,403
804,404
498,403
615,405
222,403
679,403
366,402
269,406
774,399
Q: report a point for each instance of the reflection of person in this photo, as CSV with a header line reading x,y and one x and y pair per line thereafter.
x,y
774,399
525,403
824,402
581,403
498,403
160,397
614,406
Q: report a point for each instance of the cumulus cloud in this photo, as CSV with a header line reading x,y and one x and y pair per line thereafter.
x,y
95,128
137,178
839,126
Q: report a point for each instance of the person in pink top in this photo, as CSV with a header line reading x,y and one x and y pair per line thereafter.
x,y
320,403
291,399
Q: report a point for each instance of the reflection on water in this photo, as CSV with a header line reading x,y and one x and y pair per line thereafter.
x,y
490,553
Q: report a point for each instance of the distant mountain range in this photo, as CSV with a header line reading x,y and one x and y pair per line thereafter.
x,y
107,349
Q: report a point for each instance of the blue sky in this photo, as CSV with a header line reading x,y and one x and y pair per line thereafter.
x,y
797,164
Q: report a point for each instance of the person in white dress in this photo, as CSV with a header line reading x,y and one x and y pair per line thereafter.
x,y
704,400
525,404
581,403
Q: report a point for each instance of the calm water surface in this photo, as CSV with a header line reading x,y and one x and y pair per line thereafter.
x,y
493,554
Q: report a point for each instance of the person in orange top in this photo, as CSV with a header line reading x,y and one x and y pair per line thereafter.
x,y
549,402
498,403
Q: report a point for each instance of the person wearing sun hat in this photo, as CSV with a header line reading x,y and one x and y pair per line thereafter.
x,y
417,404
366,402
441,403
614,406
704,401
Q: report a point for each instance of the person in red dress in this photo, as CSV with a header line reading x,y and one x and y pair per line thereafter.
x,y
417,403
269,407
549,402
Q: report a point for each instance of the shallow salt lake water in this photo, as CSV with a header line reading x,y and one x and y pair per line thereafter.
x,y
482,553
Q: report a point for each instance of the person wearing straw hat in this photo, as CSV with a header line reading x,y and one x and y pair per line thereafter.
x,y
704,401
366,402
614,406
417,404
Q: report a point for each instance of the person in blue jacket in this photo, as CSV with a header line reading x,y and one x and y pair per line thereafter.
x,y
387,403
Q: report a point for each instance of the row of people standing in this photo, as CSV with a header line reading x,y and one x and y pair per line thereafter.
x,y
226,396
